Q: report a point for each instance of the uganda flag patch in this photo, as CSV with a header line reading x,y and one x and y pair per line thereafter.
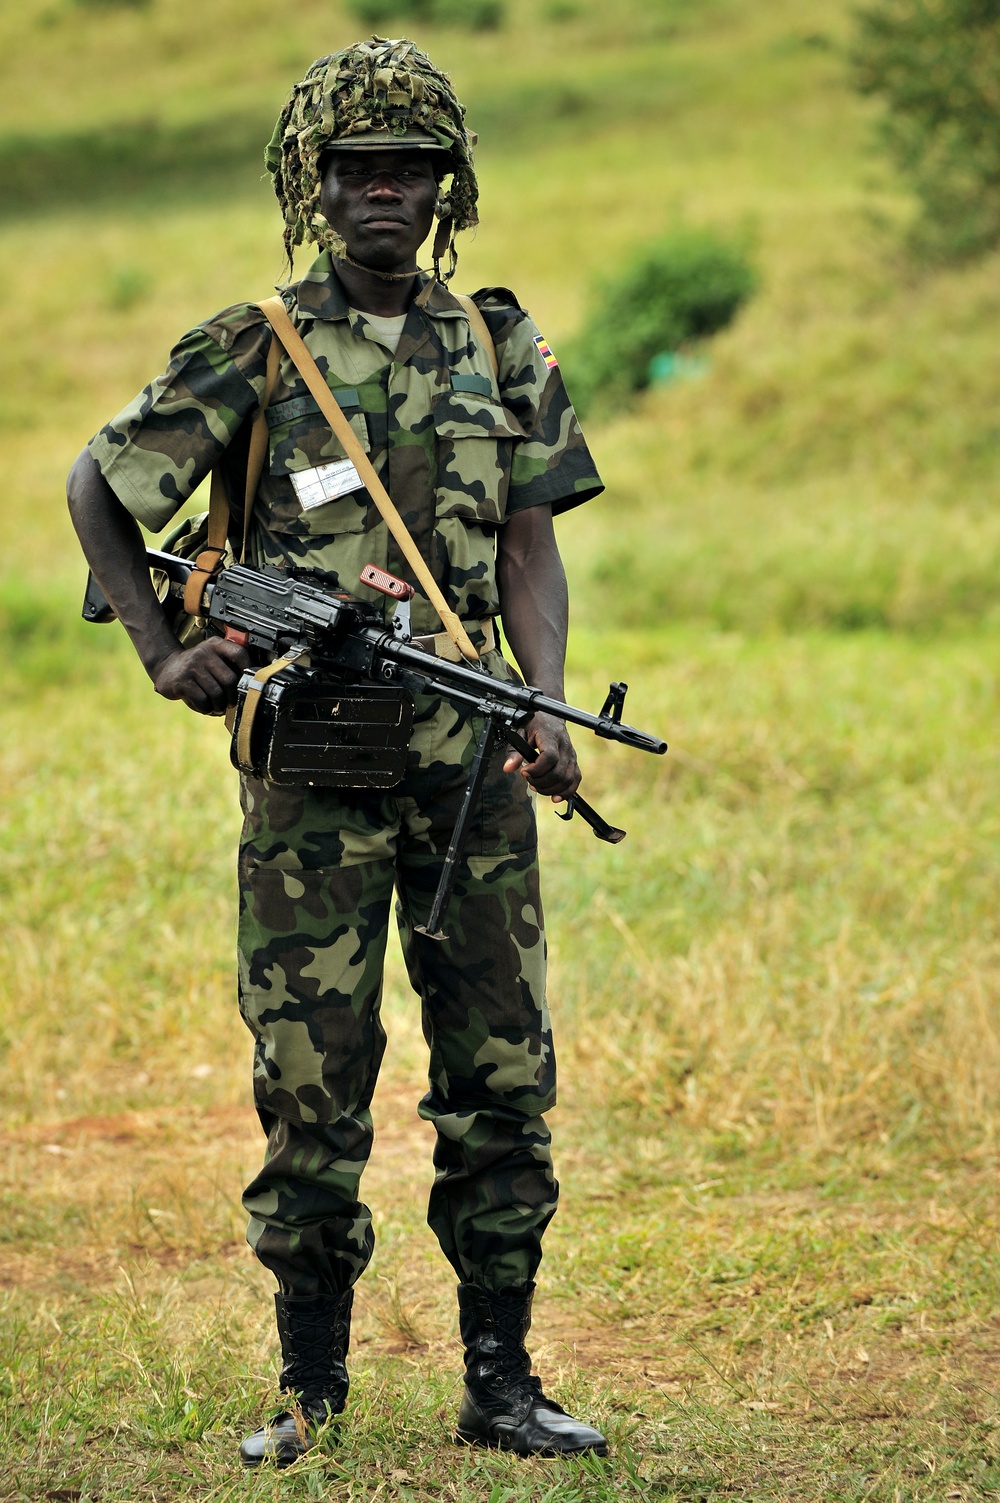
x,y
545,352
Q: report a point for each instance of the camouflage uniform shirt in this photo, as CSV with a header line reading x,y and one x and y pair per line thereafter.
x,y
458,449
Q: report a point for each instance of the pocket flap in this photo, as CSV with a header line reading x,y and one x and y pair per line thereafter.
x,y
307,406
307,441
468,414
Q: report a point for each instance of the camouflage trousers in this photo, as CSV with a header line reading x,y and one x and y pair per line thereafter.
x,y
318,869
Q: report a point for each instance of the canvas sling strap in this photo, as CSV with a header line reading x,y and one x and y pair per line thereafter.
x,y
277,316
477,324
209,560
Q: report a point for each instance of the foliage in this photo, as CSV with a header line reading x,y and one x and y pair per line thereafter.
x,y
472,15
467,15
934,64
684,287
376,13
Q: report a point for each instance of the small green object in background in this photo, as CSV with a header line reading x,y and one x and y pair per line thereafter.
x,y
668,366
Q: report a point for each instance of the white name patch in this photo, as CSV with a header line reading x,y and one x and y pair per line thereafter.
x,y
325,483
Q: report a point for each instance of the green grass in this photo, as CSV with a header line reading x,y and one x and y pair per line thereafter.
x,y
777,1138
688,1451
773,1272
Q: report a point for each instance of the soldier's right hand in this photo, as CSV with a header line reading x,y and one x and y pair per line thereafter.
x,y
204,677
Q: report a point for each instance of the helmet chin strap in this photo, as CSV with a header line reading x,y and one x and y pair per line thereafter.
x,y
383,276
442,242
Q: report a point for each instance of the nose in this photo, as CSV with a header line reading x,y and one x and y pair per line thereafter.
x,y
382,186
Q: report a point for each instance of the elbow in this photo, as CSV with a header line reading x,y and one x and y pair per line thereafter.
x,y
76,484
90,499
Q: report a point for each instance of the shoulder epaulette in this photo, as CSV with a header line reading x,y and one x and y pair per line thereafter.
x,y
497,295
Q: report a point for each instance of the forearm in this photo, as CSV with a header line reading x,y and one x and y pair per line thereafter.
x,y
534,601
204,676
534,608
115,551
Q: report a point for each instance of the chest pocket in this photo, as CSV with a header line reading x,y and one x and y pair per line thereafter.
x,y
300,440
475,445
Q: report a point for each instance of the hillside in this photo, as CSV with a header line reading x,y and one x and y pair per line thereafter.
x,y
838,464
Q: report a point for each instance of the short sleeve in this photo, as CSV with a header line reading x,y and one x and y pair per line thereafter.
x,y
160,447
553,463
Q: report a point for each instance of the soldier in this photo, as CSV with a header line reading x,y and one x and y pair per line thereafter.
x,y
370,148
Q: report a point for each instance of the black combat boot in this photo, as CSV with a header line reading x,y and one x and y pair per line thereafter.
x,y
315,1332
503,1405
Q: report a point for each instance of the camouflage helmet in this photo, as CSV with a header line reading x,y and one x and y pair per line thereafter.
x,y
378,92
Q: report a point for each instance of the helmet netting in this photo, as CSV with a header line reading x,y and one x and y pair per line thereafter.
x,y
372,86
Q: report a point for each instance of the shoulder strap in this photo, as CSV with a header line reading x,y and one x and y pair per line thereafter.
x,y
258,440
209,560
277,316
478,325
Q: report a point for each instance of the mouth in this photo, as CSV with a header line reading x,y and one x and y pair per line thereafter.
x,y
385,222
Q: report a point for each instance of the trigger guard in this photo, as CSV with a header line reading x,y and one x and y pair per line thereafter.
x,y
569,810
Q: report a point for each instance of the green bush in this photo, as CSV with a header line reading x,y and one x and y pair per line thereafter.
x,y
682,288
470,15
376,13
934,64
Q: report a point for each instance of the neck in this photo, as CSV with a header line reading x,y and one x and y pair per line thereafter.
x,y
372,293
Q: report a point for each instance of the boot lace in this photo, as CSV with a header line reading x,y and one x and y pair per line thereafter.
x,y
315,1345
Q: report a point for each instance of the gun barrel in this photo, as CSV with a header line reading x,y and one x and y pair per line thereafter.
x,y
522,697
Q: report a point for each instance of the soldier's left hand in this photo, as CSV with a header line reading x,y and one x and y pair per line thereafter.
x,y
555,773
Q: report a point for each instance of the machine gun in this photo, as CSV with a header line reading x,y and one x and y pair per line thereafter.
x,y
331,705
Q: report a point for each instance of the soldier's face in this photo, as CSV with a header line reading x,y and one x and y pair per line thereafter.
x,y
381,202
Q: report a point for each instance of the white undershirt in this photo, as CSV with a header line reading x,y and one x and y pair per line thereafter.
x,y
387,329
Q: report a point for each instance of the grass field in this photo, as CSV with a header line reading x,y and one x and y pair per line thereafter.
x,y
774,1273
